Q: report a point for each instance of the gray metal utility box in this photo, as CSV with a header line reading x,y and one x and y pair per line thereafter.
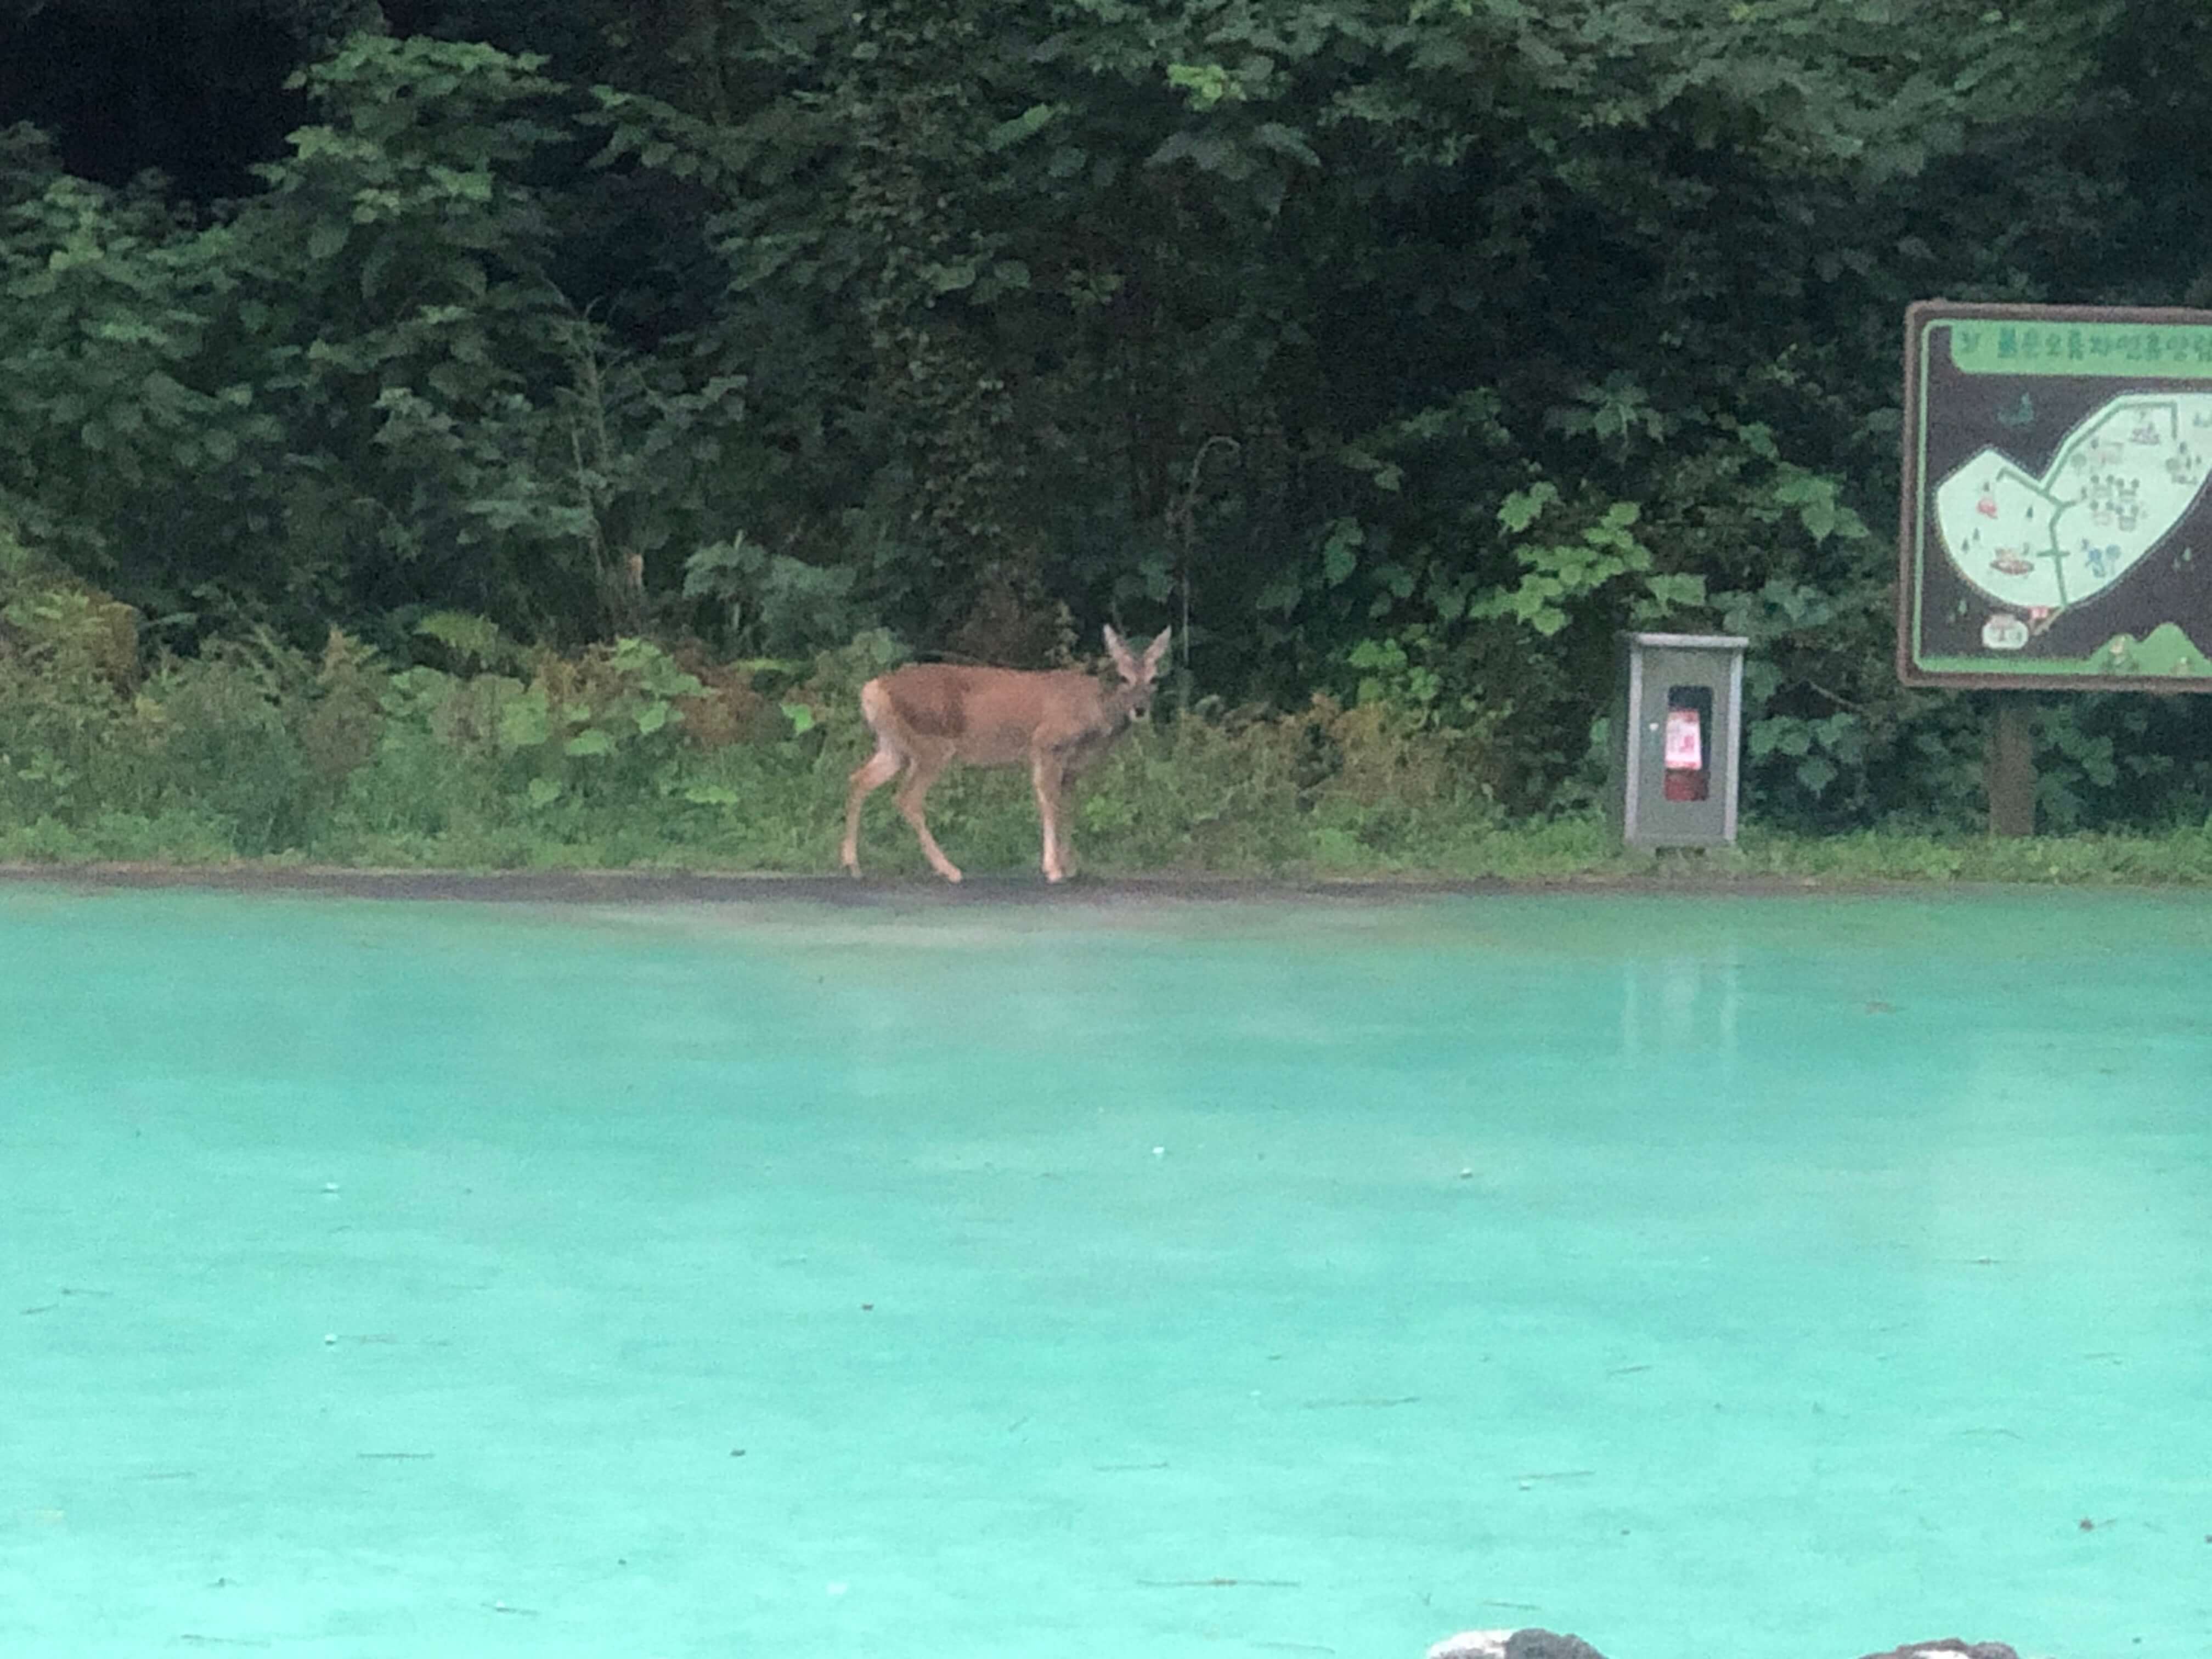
x,y
1677,736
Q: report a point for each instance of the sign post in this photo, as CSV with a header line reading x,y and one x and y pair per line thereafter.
x,y
2055,531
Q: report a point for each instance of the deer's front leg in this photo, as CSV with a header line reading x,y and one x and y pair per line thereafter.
x,y
1049,776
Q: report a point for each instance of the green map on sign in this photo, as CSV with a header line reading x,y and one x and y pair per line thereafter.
x,y
2120,481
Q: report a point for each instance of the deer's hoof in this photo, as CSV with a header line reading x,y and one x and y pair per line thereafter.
x,y
951,875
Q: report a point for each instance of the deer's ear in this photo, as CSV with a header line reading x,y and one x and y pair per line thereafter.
x,y
1117,648
1157,650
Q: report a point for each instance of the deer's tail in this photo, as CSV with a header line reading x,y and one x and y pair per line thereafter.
x,y
876,711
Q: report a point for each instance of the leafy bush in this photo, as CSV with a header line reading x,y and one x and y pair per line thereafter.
x,y
635,753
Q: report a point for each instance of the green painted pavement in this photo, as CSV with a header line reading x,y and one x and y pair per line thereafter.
x,y
1711,1277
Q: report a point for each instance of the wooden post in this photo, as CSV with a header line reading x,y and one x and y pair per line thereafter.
x,y
2009,766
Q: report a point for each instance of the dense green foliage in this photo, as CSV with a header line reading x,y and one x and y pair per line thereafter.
x,y
1395,353
504,756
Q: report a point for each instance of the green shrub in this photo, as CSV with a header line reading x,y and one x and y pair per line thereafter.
x,y
635,753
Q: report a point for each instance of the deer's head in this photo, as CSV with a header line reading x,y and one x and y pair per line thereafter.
x,y
1134,695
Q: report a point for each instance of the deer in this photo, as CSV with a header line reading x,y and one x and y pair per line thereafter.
x,y
1059,722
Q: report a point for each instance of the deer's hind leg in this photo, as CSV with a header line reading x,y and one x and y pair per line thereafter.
x,y
922,767
872,774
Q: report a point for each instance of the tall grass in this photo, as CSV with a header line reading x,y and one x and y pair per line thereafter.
x,y
631,755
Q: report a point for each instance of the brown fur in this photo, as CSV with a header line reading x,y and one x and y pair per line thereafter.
x,y
928,715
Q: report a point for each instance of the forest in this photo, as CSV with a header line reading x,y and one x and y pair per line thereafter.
x,y
425,414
